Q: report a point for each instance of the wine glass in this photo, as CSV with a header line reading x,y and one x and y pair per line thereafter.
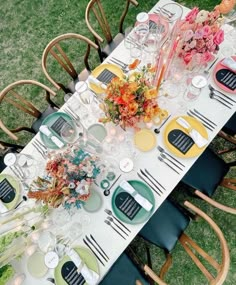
x,y
72,131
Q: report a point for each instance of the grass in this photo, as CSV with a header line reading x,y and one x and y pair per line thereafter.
x,y
26,28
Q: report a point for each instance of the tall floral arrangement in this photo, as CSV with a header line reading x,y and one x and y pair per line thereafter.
x,y
130,100
68,178
200,36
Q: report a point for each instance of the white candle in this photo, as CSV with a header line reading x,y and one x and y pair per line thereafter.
x,y
121,137
30,249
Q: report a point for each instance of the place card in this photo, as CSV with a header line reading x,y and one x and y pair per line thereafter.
x,y
127,205
57,125
180,140
227,78
106,76
70,274
7,191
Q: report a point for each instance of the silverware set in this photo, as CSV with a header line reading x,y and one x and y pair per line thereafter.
x,y
151,181
19,174
221,97
121,64
209,124
165,11
40,147
96,249
116,225
71,113
170,161
222,94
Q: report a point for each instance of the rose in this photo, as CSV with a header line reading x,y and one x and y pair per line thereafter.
x,y
218,37
187,57
202,16
188,35
207,56
199,34
191,16
206,31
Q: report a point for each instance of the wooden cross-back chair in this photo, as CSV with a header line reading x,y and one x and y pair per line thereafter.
x,y
167,226
10,95
206,174
95,7
54,48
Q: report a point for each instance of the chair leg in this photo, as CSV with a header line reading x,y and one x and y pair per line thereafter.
x,y
166,265
149,262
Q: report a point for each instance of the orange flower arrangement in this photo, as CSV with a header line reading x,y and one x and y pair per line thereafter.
x,y
130,100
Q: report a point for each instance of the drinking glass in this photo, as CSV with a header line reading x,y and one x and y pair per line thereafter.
x,y
72,131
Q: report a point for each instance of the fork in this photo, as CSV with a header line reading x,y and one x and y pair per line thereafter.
x,y
215,90
161,149
207,71
218,98
119,62
162,160
110,224
109,212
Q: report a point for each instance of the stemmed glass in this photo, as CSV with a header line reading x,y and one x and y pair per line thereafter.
x,y
72,131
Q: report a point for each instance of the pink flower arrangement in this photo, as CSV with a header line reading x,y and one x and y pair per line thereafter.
x,y
200,36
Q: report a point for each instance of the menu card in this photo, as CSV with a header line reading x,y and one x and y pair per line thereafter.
x,y
106,76
180,140
7,191
227,78
70,274
57,125
127,205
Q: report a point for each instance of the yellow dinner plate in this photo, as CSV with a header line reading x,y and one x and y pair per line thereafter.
x,y
195,124
98,70
145,140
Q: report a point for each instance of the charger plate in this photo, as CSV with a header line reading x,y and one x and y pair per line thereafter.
x,y
98,70
142,215
14,183
217,69
195,124
86,256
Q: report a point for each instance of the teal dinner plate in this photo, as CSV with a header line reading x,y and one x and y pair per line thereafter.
x,y
49,121
142,215
86,256
98,131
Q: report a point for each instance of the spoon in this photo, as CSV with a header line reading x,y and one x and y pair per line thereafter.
x,y
157,130
50,279
24,198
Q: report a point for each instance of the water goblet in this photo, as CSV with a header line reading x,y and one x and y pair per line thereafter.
x,y
72,131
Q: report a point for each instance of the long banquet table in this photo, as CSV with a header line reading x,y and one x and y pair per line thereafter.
x,y
109,240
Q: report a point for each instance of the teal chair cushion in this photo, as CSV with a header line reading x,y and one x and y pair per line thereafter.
x,y
230,126
206,173
165,226
123,272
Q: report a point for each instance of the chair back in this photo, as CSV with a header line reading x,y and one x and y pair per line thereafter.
x,y
192,248
95,7
55,49
13,98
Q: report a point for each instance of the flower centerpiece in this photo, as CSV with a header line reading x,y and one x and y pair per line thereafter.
x,y
69,175
131,99
200,36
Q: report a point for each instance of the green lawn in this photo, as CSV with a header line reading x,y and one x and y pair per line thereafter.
x,y
26,28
